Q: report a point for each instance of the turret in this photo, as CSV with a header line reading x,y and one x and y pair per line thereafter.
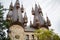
x,y
25,19
17,4
33,12
22,9
48,22
10,12
11,7
38,17
39,10
15,14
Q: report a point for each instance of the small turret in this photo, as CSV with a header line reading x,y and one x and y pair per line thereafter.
x,y
17,4
22,9
10,12
48,21
39,10
11,7
33,12
25,19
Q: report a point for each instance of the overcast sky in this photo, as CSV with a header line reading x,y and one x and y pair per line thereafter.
x,y
49,7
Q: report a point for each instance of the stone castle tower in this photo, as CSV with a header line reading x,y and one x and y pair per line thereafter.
x,y
18,24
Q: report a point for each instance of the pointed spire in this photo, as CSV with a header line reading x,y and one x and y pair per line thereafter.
x,y
17,4
33,12
10,11
48,21
22,8
36,7
25,18
17,1
11,6
39,10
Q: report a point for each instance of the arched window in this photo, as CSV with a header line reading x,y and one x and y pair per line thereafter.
x,y
27,37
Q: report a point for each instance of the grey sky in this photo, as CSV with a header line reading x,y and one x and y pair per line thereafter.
x,y
49,7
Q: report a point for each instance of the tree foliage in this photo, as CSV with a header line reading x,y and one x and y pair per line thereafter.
x,y
45,34
2,27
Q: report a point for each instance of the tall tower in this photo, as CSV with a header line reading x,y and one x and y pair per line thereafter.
x,y
17,21
38,20
15,13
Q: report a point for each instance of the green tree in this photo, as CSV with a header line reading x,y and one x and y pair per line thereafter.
x,y
4,24
56,37
45,34
2,33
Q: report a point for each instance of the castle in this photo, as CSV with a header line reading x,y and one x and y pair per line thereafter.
x,y
18,24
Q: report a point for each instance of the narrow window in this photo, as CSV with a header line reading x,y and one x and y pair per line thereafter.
x,y
27,37
32,37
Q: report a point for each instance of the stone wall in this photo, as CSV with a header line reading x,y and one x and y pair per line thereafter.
x,y
17,32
